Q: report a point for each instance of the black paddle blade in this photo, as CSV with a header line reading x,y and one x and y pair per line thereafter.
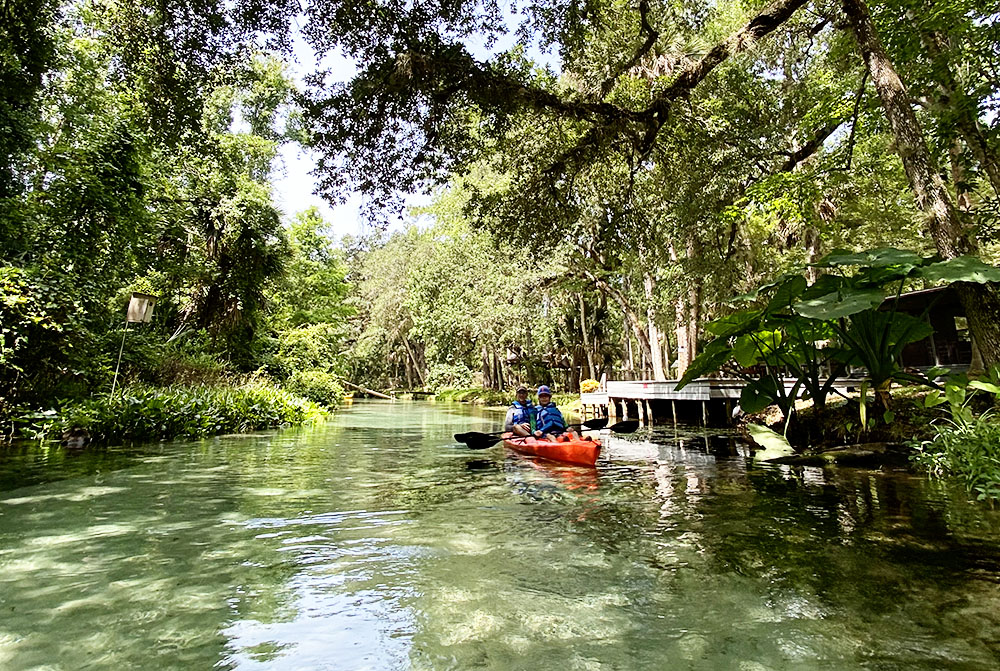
x,y
477,441
595,424
628,426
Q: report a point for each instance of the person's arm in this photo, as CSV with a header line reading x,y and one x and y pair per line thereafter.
x,y
562,420
508,422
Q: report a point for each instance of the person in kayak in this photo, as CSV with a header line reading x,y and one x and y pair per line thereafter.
x,y
550,420
521,415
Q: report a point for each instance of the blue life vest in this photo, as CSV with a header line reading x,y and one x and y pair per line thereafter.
x,y
522,413
550,419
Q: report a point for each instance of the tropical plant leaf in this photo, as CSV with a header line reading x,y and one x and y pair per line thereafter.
x,y
961,269
710,360
758,394
824,285
843,303
873,258
988,387
734,324
751,348
775,445
786,293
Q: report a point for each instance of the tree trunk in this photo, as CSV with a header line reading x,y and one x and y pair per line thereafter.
x,y
498,366
954,96
416,367
687,314
629,358
666,354
963,197
656,349
409,373
682,336
591,373
627,311
981,302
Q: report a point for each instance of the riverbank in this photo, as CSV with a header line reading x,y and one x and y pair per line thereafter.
x,y
955,433
147,413
491,398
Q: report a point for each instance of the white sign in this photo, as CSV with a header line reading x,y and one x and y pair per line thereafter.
x,y
140,308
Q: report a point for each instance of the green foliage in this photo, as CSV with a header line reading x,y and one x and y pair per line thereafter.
x,y
314,288
773,443
27,53
148,413
449,376
967,443
783,335
316,386
968,450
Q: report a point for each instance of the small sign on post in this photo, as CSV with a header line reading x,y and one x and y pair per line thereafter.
x,y
140,311
140,308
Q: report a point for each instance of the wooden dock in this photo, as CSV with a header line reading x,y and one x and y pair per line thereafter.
x,y
650,401
705,400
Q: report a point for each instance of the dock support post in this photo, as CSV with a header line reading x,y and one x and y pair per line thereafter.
x,y
612,410
649,412
624,409
673,410
704,413
641,411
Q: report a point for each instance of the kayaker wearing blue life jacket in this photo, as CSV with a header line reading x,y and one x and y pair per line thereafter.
x,y
550,420
521,415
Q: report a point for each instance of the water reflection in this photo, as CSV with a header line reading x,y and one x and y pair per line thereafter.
x,y
376,542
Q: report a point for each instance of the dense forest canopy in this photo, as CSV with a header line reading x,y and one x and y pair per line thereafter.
x,y
584,220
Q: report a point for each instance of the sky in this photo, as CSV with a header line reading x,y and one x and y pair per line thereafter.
x,y
293,184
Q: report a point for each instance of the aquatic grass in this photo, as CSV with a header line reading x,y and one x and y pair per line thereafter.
x,y
140,413
969,450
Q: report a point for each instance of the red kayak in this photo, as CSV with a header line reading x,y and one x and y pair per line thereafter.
x,y
570,448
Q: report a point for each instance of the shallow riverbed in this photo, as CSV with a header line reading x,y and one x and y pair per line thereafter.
x,y
376,542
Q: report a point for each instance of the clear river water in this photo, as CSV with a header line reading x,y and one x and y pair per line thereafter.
x,y
377,542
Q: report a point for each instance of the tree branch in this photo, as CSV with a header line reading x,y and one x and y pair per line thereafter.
x,y
651,36
454,69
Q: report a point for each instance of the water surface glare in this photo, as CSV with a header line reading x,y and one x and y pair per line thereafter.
x,y
376,542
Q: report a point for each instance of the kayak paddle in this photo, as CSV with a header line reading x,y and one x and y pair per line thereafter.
x,y
475,440
591,425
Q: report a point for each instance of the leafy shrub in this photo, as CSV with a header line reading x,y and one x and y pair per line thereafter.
x,y
149,413
190,360
314,347
589,385
191,369
317,386
43,340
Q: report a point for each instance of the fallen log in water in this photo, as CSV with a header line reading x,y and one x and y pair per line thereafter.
x,y
367,391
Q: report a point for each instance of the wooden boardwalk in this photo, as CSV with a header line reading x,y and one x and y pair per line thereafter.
x,y
651,401
640,398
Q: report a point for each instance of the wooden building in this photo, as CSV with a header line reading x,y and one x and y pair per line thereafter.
x,y
950,345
